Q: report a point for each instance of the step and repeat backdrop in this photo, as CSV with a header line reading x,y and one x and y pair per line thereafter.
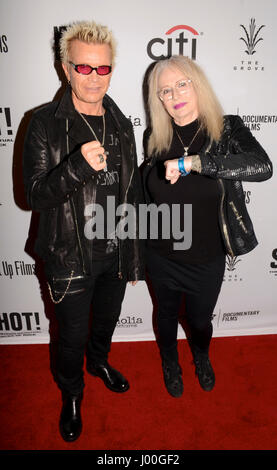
x,y
235,43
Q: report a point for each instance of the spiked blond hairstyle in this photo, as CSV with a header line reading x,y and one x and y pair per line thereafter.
x,y
89,32
210,110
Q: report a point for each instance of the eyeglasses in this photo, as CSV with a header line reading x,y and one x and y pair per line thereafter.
x,y
85,69
182,86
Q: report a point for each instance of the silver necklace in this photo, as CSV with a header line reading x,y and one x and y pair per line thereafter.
x,y
92,131
187,147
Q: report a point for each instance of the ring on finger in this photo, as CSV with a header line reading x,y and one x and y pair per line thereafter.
x,y
101,158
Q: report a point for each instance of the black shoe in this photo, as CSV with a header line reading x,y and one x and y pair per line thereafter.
x,y
204,371
113,379
173,378
70,420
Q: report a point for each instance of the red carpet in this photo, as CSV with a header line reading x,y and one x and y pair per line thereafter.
x,y
240,413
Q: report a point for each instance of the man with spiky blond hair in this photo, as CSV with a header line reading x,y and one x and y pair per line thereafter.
x,y
80,153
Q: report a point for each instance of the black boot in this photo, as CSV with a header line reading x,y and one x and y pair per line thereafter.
x,y
173,378
204,371
111,377
70,420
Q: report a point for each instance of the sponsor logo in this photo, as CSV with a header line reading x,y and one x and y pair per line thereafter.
x,y
19,323
180,39
229,317
247,196
129,322
231,272
255,122
273,264
236,316
6,130
136,121
251,39
17,268
3,44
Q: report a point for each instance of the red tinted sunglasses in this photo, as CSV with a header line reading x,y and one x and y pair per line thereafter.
x,y
87,69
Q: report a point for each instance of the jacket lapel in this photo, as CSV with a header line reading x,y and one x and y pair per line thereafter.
x,y
126,144
80,133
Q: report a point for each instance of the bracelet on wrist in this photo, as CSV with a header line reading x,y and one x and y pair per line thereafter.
x,y
181,166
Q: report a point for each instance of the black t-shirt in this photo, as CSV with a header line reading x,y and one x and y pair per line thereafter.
x,y
107,191
200,191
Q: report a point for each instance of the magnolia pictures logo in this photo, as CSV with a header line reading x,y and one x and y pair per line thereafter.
x,y
251,39
180,39
130,321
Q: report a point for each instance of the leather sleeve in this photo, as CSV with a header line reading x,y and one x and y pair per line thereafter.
x,y
237,156
49,184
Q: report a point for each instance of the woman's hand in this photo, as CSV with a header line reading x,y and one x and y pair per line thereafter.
x,y
172,172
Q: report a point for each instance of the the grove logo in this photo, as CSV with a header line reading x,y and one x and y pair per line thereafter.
x,y
183,44
249,62
231,269
251,38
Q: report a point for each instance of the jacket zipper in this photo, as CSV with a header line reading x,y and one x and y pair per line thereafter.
x,y
238,217
78,236
224,225
93,202
119,252
74,210
66,278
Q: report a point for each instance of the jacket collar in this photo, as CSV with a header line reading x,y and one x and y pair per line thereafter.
x,y
79,133
65,108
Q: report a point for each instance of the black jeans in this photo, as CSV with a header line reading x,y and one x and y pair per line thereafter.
x,y
105,292
200,284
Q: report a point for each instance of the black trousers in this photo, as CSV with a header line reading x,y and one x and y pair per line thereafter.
x,y
104,291
200,284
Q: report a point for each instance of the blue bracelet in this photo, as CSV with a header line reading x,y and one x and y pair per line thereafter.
x,y
181,166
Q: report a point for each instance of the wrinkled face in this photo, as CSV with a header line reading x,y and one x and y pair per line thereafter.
x,y
88,90
183,106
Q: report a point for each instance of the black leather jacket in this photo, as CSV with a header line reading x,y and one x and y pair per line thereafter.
x,y
59,183
235,158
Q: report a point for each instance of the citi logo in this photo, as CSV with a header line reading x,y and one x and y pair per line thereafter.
x,y
159,48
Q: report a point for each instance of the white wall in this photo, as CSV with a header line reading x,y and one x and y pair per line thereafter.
x,y
245,84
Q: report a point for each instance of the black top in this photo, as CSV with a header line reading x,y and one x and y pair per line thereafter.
x,y
201,192
107,186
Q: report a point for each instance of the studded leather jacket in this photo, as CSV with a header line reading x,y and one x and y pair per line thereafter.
x,y
59,184
237,157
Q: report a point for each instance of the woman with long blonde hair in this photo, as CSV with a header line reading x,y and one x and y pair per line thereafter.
x,y
196,157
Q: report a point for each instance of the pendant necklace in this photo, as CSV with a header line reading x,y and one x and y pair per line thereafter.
x,y
187,147
93,133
